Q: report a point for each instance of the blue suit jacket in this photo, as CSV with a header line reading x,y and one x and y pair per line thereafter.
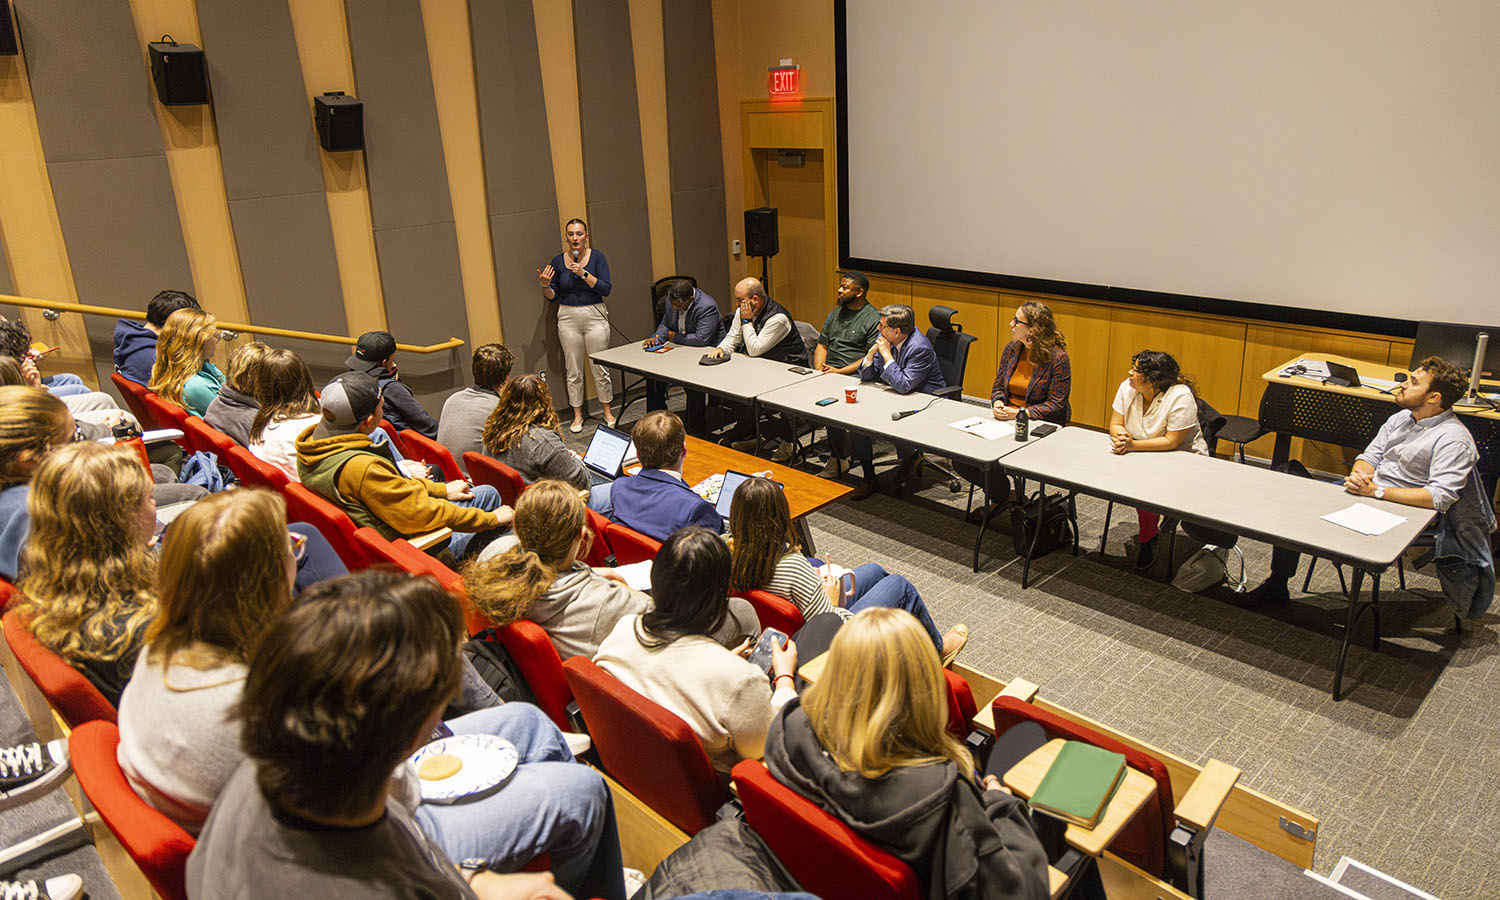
x,y
696,326
657,504
915,368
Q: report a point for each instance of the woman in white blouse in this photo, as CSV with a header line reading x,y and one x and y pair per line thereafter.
x,y
1156,408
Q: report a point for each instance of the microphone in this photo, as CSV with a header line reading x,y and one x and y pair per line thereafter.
x,y
575,255
898,416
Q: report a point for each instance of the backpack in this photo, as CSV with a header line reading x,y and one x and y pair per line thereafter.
x,y
203,469
497,669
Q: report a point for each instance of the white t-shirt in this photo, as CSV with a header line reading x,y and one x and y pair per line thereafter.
x,y
1174,409
278,442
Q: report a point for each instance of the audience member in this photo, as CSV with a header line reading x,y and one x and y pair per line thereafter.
x,y
690,318
286,406
90,603
15,340
578,281
669,654
766,557
375,355
234,409
849,331
902,358
1156,408
868,743
523,432
33,423
341,690
461,426
656,501
135,343
336,460
95,408
184,374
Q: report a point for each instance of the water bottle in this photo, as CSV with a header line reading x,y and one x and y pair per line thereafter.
x,y
1022,426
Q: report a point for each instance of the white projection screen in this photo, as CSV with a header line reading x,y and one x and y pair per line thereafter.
x,y
1311,157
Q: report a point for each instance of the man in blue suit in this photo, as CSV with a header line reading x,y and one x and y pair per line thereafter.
x,y
691,319
656,501
904,359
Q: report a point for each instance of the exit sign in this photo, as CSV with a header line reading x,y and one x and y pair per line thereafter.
x,y
784,81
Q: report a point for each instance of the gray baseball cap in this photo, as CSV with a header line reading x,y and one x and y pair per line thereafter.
x,y
349,398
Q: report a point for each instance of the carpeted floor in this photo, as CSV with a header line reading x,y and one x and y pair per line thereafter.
x,y
1401,772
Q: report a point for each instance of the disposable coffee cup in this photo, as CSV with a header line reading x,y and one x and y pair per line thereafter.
x,y
851,395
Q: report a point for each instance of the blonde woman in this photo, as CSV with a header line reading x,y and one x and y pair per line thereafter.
x,y
183,374
225,573
868,742
91,604
523,433
33,423
288,406
235,406
577,280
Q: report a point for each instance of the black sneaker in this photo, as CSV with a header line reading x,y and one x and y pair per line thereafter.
x,y
1145,555
61,887
32,769
1272,592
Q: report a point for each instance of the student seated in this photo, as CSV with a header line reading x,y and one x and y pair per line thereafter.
x,y
868,743
287,405
670,655
183,374
522,431
336,460
767,558
461,425
91,602
656,501
375,355
342,689
95,408
232,411
135,342
33,424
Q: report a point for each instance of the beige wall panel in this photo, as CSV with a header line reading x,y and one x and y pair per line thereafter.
x,y
799,275
727,69
554,34
978,313
784,130
1211,350
1399,356
773,30
649,50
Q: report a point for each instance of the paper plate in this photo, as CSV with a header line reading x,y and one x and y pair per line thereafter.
x,y
487,762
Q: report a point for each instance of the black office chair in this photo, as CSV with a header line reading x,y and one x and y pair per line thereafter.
x,y
952,347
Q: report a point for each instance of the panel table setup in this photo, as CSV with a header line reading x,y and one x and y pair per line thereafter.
x,y
1249,501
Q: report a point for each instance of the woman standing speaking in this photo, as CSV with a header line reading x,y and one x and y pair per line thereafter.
x,y
577,280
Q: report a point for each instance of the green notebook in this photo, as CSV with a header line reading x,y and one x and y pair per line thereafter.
x,y
1079,783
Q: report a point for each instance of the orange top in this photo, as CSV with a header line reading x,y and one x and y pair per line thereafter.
x,y
1020,379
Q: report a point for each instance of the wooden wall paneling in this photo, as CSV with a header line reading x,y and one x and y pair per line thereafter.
x,y
1085,327
1210,350
1399,355
519,185
979,314
800,273
613,161
698,211
648,41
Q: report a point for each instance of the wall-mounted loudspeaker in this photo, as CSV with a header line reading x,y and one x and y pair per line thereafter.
x,y
341,122
760,232
180,74
8,44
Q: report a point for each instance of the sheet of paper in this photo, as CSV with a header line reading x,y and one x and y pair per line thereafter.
x,y
987,427
637,575
1365,519
1311,368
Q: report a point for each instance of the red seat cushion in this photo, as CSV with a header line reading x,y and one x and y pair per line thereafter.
x,y
629,545
252,470
773,611
487,470
961,705
534,653
421,447
73,696
600,551
302,505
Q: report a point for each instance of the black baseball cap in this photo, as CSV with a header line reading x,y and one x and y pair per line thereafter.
x,y
372,348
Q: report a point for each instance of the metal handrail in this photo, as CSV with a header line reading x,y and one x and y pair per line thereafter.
x,y
51,309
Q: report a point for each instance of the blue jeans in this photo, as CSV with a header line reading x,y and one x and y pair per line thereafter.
x,y
874,586
319,560
599,499
550,805
65,385
380,437
465,544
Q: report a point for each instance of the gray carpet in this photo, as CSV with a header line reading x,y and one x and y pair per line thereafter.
x,y
1402,773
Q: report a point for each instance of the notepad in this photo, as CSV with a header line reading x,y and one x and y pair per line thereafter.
x,y
637,575
1365,519
989,428
1078,785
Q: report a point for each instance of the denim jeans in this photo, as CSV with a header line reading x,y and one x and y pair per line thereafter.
x,y
65,385
319,560
550,805
599,499
463,545
874,586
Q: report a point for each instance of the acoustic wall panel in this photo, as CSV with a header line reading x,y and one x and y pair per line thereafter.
x,y
272,175
7,286
518,176
613,165
697,165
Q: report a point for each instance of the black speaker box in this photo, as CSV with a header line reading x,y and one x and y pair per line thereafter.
x,y
180,73
341,122
8,46
760,232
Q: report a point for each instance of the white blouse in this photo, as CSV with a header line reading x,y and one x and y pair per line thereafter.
x,y
1174,409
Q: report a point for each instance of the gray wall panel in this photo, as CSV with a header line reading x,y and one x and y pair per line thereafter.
x,y
697,164
90,82
419,266
523,242
287,260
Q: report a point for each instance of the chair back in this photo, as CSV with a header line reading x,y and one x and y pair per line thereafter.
x,y
826,856
157,844
534,654
488,470
164,414
961,705
773,611
252,470
134,396
201,436
650,751
395,436
302,505
659,294
950,343
73,696
599,552
1143,841
629,545
7,592
421,447
809,334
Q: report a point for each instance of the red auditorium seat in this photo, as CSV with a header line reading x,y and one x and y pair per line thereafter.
x,y
135,398
164,414
73,696
496,474
423,448
600,552
201,436
302,505
629,545
395,436
773,611
252,470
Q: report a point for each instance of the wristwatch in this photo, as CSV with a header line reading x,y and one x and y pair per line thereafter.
x,y
1379,492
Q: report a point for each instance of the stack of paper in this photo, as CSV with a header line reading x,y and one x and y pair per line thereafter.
x,y
636,575
1365,519
987,427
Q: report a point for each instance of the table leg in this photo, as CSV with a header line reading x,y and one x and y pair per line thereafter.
x,y
804,536
1282,450
1036,533
755,414
1355,583
984,520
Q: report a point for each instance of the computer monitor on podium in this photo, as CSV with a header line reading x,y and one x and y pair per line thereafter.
x,y
1456,343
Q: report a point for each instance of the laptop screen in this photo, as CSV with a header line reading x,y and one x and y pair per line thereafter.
x,y
606,451
732,482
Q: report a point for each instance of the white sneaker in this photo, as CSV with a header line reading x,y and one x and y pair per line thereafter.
x,y
635,879
60,887
835,467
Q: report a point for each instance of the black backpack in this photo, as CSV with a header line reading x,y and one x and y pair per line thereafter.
x,y
497,669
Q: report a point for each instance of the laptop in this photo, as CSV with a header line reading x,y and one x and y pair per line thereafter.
x,y
732,482
1341,375
606,455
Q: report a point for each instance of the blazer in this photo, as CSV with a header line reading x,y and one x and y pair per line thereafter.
x,y
657,504
1047,392
697,326
915,367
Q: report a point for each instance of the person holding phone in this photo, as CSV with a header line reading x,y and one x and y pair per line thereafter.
x,y
577,280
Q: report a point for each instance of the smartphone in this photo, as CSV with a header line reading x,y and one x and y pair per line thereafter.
x,y
1043,429
761,655
662,348
826,401
800,370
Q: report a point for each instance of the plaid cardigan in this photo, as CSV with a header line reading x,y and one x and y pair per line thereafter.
x,y
1046,393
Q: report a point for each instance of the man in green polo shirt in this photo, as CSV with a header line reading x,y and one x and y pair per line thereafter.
x,y
848,334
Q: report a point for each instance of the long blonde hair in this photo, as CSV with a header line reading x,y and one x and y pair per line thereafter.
x,y
87,574
31,420
548,518
242,371
524,402
222,578
179,352
882,701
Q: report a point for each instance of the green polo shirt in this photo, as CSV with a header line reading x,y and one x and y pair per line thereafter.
x,y
849,334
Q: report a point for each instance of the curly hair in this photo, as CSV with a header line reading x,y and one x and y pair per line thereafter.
x,y
1044,334
524,402
548,519
180,352
1161,370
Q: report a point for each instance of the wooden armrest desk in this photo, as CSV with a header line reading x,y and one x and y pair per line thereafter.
x,y
1134,790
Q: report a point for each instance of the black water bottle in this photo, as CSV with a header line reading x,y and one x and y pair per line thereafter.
x,y
1022,426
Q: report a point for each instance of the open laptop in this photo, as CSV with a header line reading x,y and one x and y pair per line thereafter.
x,y
606,454
732,482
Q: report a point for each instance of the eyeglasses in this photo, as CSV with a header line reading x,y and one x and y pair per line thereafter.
x,y
299,545
1017,320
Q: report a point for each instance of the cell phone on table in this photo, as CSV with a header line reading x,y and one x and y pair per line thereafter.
x,y
663,348
827,401
761,655
1043,429
800,370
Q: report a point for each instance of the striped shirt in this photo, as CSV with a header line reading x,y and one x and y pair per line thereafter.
x,y
796,580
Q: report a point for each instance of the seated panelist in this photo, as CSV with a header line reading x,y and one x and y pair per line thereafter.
x,y
902,358
691,318
760,327
849,331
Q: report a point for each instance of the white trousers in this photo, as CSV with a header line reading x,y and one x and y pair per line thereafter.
x,y
584,330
